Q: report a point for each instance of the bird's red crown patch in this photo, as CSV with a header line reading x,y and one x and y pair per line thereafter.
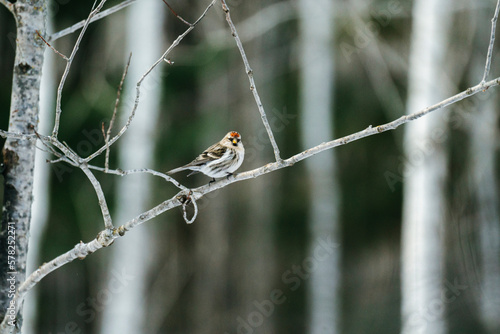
x,y
235,134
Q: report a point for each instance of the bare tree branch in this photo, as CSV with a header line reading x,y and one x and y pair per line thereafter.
x,y
139,171
139,83
50,46
69,61
492,42
106,237
81,24
80,251
253,87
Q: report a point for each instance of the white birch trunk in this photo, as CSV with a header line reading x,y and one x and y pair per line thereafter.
x,y
126,311
316,82
426,171
19,154
484,182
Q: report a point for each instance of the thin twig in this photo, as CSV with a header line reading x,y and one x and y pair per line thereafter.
x,y
139,83
99,16
112,122
176,15
253,87
492,42
121,172
55,161
69,61
50,46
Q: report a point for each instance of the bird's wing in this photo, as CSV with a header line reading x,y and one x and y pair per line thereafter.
x,y
212,153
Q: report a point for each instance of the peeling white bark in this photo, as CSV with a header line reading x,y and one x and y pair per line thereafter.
x,y
19,153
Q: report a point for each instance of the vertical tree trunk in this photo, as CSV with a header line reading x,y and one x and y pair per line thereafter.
x,y
19,154
484,186
316,82
426,171
127,309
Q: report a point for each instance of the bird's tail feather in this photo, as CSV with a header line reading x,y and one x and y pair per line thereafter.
x,y
176,170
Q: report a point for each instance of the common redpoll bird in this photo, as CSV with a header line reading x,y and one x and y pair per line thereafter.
x,y
219,160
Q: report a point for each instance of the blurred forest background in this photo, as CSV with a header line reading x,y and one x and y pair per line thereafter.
x,y
397,232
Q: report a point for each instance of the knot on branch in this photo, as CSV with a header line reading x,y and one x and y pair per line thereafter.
x,y
105,237
120,231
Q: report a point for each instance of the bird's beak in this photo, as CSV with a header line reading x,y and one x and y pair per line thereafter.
x,y
235,141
